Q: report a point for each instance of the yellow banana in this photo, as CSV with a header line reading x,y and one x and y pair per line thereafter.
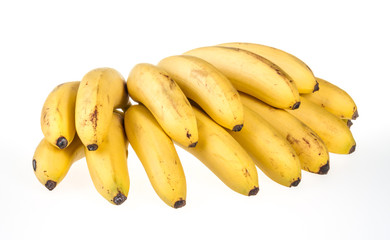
x,y
299,72
101,91
224,156
311,150
51,164
108,164
154,88
157,155
57,116
209,88
334,99
252,74
269,150
331,129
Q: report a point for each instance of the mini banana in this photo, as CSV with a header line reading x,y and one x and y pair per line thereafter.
x,y
58,115
51,164
269,150
157,155
100,92
224,156
252,74
334,99
299,72
208,87
331,129
311,150
108,164
154,88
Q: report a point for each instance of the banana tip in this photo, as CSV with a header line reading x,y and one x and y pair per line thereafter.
x,y
295,183
296,105
353,148
62,143
238,128
254,191
92,147
316,87
119,199
180,203
349,123
192,145
355,115
34,163
324,169
50,184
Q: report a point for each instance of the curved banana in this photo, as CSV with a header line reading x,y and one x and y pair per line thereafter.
x,y
57,116
157,155
311,150
334,99
299,72
224,156
331,129
101,91
252,74
204,84
269,150
154,88
108,164
51,164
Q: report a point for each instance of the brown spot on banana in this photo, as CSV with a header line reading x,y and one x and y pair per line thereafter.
x,y
307,142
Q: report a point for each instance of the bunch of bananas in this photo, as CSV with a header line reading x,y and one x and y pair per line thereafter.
x,y
233,106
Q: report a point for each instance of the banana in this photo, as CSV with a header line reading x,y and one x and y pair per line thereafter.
x,y
269,150
209,88
101,91
108,164
224,156
331,129
334,99
157,155
57,116
154,88
299,72
252,74
51,164
311,150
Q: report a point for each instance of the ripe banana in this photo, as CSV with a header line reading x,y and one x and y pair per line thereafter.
x,y
269,150
252,74
331,129
101,91
224,156
209,88
154,88
311,150
108,164
157,155
51,164
57,116
334,99
299,72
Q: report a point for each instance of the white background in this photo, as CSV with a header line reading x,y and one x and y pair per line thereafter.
x,y
43,44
